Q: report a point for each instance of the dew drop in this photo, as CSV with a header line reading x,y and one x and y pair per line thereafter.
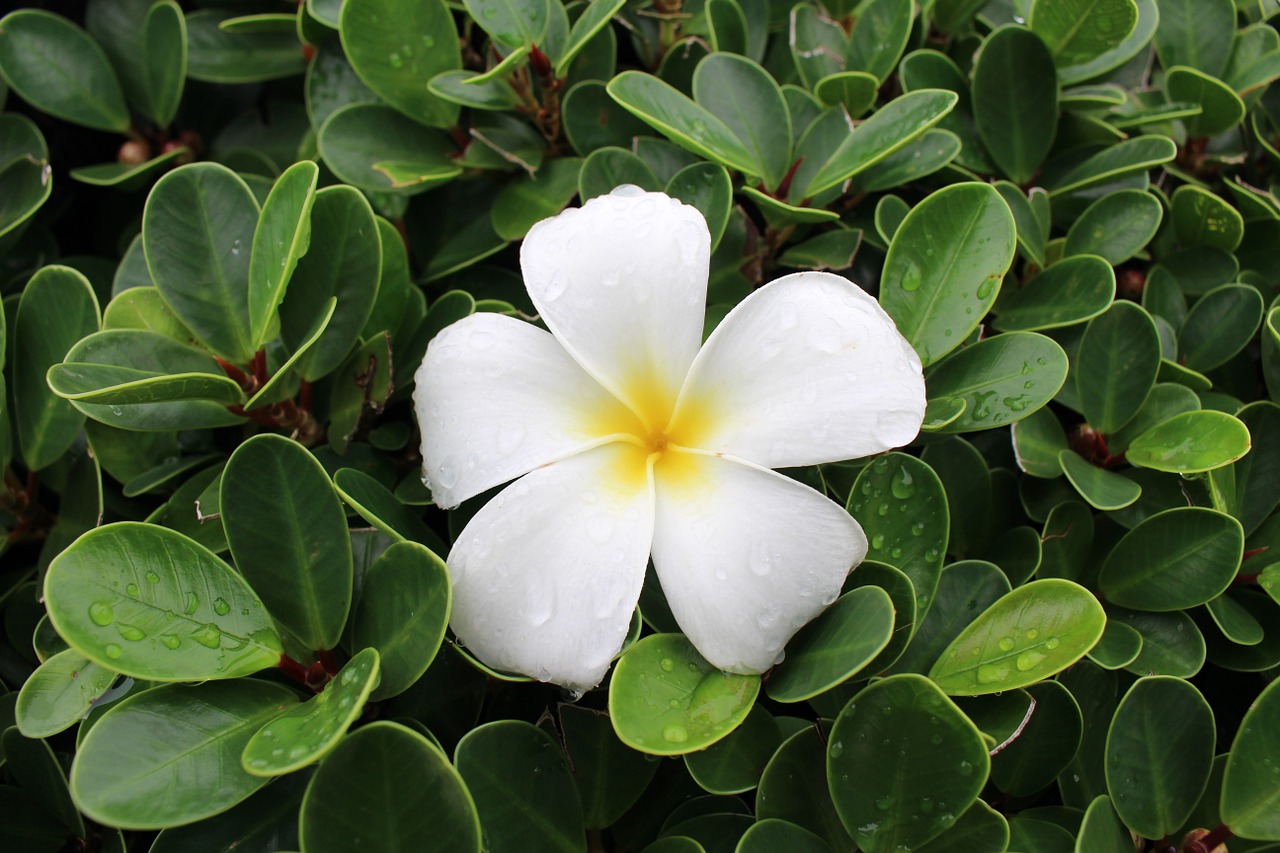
x,y
395,60
675,734
989,673
1006,643
101,613
170,642
903,486
1052,643
877,541
667,664
131,632
131,589
208,636
1032,634
984,289
911,277
221,607
193,604
836,749
113,651
1028,661
965,768
152,577
884,803
935,739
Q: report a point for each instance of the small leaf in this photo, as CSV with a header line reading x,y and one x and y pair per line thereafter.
x,y
347,796
1080,31
1003,379
1115,227
1173,560
834,646
1028,635
307,732
1219,325
61,70
151,603
1133,155
1190,443
1116,366
1159,753
282,235
216,55
885,726
1103,489
665,699
1015,101
944,266
1071,291
1250,786
374,147
59,693
529,199
193,732
405,598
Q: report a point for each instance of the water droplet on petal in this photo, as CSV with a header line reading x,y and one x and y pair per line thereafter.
x,y
101,613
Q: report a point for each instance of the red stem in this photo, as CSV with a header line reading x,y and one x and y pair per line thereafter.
x,y
293,669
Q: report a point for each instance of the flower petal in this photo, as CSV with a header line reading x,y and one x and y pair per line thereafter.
x,y
497,397
547,574
746,556
807,369
622,283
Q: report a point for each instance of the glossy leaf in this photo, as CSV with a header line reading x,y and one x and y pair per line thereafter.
x,y
1219,325
944,266
287,532
1115,227
1159,752
1190,442
305,733
193,732
151,603
883,727
1036,630
282,235
1015,101
746,99
1002,379
57,308
59,693
1250,787
405,599
1080,31
1071,291
834,646
664,699
1173,560
374,147
1117,365
1102,489
59,68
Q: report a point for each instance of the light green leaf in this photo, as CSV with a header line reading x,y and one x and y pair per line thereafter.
x,y
1190,442
282,235
1002,379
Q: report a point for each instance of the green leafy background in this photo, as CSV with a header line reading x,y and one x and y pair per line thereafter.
x,y
228,232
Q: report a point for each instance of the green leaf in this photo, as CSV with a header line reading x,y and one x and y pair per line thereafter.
x,y
880,33
125,176
965,589
164,61
151,603
1196,33
771,834
265,821
1190,443
522,786
137,355
1219,325
944,266
1037,441
1159,753
794,788
197,231
1103,489
192,733
854,90
902,507
26,180
467,89
1044,747
378,506
933,778
680,119
592,20
707,187
282,235
33,765
1171,643
344,262
347,797
1071,291
405,598
1173,560
105,384
1015,101
215,55
1117,365
57,308
307,732
1257,480
1220,107
1120,646
611,167
1250,785
58,68
375,148
891,128
610,777
832,648
734,764
1115,227
665,699
288,534
1003,379
59,693
1080,31
746,99
511,22
980,828
1028,635
531,198
1124,158
1201,218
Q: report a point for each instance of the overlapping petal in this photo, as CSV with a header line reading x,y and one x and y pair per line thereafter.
x,y
547,574
747,556
622,282
807,369
496,397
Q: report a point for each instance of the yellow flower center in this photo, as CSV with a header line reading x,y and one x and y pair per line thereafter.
x,y
654,433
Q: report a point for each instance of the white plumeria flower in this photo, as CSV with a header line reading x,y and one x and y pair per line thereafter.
x,y
630,441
